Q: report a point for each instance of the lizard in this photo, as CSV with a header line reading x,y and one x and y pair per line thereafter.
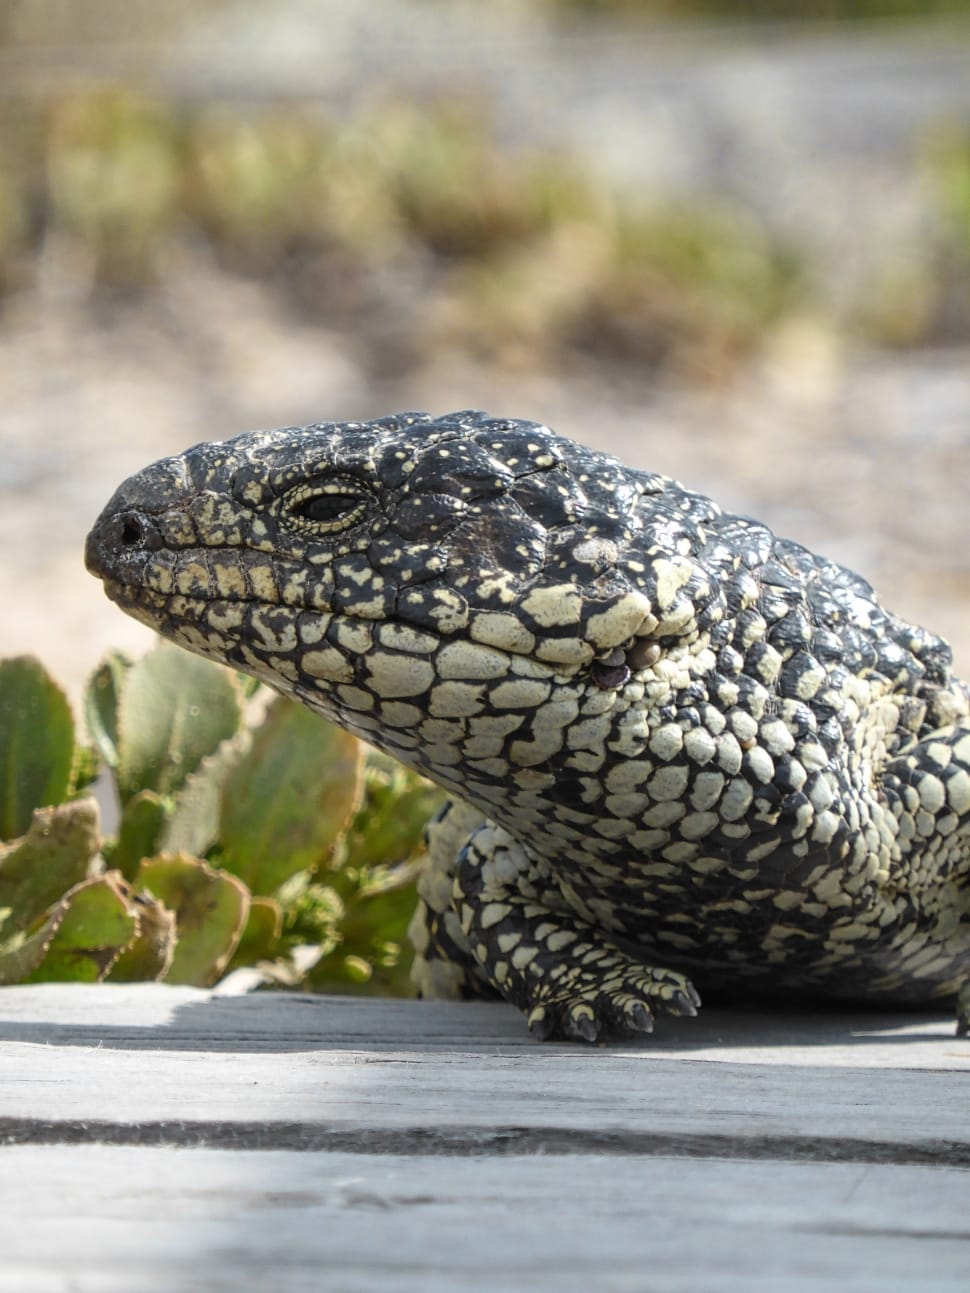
x,y
683,755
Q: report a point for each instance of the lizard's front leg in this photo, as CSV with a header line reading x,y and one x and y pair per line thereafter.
x,y
568,978
444,967
927,789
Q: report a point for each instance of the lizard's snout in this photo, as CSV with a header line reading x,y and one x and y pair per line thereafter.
x,y
116,535
129,527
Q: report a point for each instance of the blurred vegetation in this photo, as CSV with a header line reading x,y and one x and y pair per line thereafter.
x,y
769,10
923,298
251,833
947,162
410,224
415,231
949,156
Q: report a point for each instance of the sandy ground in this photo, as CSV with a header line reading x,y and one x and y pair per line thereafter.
x,y
864,458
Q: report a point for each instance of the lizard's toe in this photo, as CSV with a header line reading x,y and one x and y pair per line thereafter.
x,y
586,1006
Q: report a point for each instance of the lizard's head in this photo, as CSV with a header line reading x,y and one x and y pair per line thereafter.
x,y
405,569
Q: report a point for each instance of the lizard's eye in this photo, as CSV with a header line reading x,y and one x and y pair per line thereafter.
x,y
326,507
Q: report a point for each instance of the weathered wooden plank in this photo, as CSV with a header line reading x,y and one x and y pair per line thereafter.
x,y
161,1016
98,1220
397,1149
381,1072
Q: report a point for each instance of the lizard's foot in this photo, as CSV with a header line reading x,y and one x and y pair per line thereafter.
x,y
568,977
610,995
963,1011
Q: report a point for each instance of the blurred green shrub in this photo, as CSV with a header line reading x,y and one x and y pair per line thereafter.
x,y
922,297
413,230
112,181
409,222
768,10
950,158
250,833
696,289
949,155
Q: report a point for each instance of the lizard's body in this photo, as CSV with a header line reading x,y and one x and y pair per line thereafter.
x,y
676,743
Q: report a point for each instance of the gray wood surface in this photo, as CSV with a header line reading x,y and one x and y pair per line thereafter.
x,y
160,1138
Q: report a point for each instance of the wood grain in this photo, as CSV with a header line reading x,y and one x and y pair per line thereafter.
x,y
168,1138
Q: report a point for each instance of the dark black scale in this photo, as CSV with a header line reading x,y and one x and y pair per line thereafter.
x,y
788,779
831,734
647,482
720,628
694,692
730,661
798,664
425,515
776,575
741,593
750,692
415,605
688,715
478,547
550,500
749,626
800,719
747,540
798,560
702,590
793,630
826,643
461,469
756,654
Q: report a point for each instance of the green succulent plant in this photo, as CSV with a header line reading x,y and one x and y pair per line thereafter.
x,y
249,833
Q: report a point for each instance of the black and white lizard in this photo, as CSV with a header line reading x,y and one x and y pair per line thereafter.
x,y
684,755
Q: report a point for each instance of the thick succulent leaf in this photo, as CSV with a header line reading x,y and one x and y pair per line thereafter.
x,y
139,831
175,709
149,956
22,953
99,922
36,743
260,939
211,908
59,850
101,698
193,825
289,799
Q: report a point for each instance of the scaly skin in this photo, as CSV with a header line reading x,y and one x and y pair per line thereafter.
x,y
677,745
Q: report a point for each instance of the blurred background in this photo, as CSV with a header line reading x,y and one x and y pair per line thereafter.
x,y
728,241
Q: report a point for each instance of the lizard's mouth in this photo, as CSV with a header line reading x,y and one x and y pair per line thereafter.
x,y
128,596
161,611
285,647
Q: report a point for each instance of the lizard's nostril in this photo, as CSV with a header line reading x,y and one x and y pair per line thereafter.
x,y
132,531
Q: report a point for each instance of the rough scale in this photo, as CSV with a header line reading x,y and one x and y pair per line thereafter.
x,y
685,755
